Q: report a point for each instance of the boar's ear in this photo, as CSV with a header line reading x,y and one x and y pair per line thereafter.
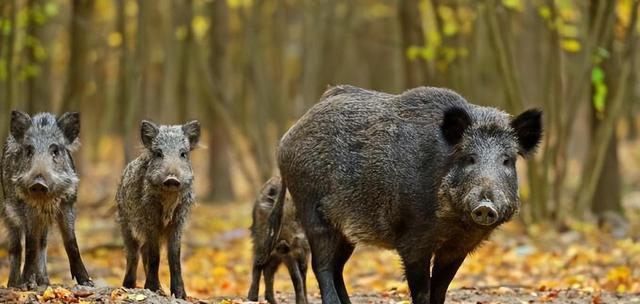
x,y
69,123
455,122
192,132
20,123
528,129
148,131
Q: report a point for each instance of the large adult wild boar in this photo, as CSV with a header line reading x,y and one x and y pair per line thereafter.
x,y
425,173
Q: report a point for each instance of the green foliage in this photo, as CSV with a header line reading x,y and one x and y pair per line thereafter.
x,y
515,5
599,89
449,26
5,26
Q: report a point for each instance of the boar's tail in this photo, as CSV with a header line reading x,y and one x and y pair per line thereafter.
x,y
275,224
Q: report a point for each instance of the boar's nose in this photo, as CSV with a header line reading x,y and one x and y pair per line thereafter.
x,y
171,182
485,214
39,186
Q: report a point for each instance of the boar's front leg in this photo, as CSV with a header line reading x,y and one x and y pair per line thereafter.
x,y
173,248
15,255
445,266
31,255
41,277
416,268
132,250
151,261
66,222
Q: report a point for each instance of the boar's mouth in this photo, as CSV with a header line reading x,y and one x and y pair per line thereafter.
x,y
172,183
39,191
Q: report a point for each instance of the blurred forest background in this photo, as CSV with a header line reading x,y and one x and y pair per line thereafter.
x,y
247,69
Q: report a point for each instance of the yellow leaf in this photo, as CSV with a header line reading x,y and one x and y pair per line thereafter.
x,y
200,25
621,288
114,39
620,273
571,45
48,294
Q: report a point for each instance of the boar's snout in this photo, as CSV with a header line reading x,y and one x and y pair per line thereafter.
x,y
171,182
485,213
39,186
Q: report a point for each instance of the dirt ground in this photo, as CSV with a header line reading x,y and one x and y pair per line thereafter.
x,y
539,265
505,295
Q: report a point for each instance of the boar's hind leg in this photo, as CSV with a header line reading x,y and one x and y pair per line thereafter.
x,y
444,269
254,290
15,256
132,250
296,279
269,272
302,264
66,222
325,243
343,253
416,270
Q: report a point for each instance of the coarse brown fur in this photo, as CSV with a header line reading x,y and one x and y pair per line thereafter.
x,y
424,172
154,199
40,186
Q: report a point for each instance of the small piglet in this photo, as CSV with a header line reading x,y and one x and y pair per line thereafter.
x,y
154,199
291,247
40,185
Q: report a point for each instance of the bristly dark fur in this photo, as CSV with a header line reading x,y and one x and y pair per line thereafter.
x,y
40,185
154,199
291,247
424,172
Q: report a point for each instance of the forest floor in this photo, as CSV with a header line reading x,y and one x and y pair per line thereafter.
x,y
582,265
504,295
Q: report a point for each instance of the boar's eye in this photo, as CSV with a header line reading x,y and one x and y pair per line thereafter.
x,y
29,150
157,154
54,150
272,192
508,161
183,155
469,160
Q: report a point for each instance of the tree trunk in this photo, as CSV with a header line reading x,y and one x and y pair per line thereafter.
x,y
412,35
183,10
219,171
79,75
38,92
605,129
124,109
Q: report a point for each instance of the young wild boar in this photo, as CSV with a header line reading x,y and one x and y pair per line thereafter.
x,y
154,199
425,173
291,247
40,186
